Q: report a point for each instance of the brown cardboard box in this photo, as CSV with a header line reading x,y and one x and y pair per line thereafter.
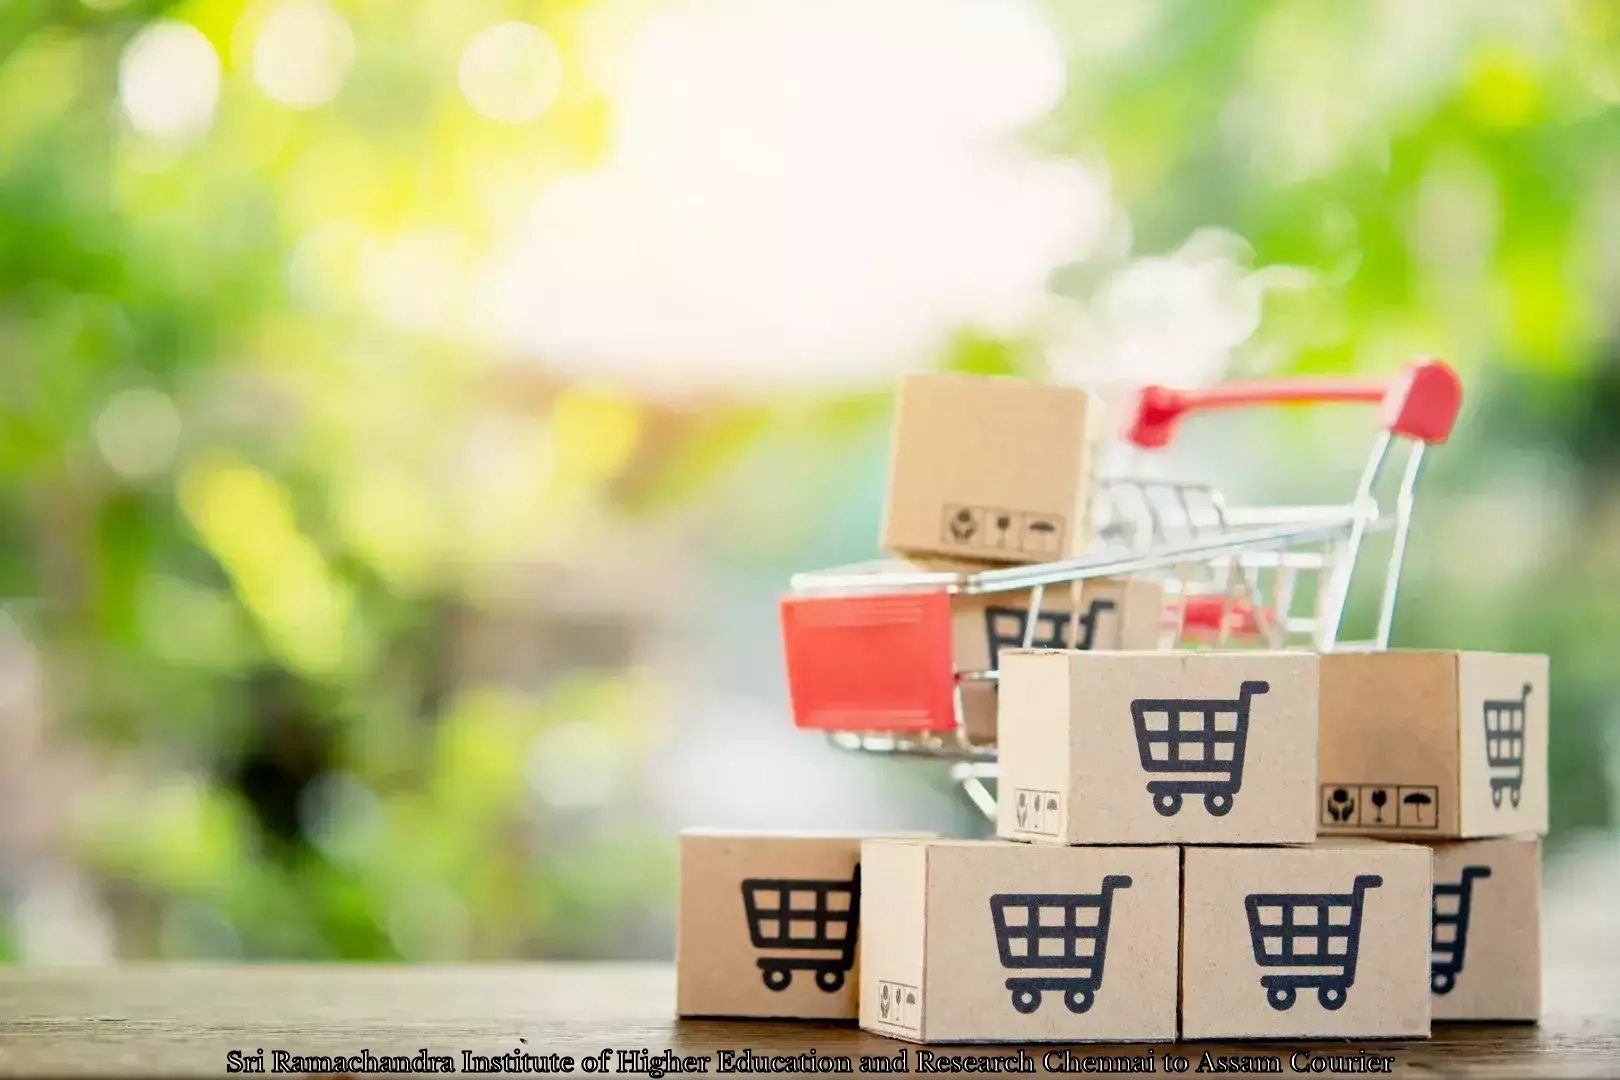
x,y
1485,960
947,953
1253,950
1433,744
992,468
1114,614
734,954
1157,747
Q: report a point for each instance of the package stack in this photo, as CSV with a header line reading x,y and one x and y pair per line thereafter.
x,y
1158,870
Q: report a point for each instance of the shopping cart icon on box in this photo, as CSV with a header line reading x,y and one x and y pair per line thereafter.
x,y
1008,628
804,915
1448,939
1063,933
1201,737
1504,746
1316,931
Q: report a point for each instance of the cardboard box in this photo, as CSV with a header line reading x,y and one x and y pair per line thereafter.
x,y
1325,941
980,941
1432,744
1485,956
992,468
767,925
1157,747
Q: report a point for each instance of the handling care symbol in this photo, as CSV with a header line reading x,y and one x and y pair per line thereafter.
x,y
1504,746
1320,931
1063,933
1197,736
1448,939
804,915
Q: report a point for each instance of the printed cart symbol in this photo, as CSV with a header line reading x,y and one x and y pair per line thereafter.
x,y
1063,933
1340,805
804,915
1504,746
1308,930
1448,938
1005,628
1192,735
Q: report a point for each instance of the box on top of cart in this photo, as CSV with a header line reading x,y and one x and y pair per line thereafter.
x,y
767,924
1485,950
992,467
1174,747
831,637
1327,940
982,941
1430,744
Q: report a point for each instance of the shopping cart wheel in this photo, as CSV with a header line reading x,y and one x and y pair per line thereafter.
x,y
1513,793
1026,1001
1496,796
1441,982
829,980
777,978
1167,803
1218,803
1331,997
1281,998
1078,1000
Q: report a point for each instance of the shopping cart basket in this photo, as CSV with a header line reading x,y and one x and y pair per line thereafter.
x,y
1504,746
1064,933
1448,938
1194,735
799,914
1308,930
869,657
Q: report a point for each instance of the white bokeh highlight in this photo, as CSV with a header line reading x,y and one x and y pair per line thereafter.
x,y
168,81
510,72
802,190
302,53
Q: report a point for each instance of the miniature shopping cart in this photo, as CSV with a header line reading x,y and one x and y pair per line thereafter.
x,y
1504,746
804,915
1448,938
1316,931
1065,934
869,655
1196,736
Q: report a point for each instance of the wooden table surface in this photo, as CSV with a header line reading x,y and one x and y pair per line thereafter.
x,y
185,1020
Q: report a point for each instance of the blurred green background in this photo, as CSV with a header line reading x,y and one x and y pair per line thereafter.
x,y
409,412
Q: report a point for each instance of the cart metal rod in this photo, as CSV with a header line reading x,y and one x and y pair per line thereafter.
x,y
1239,543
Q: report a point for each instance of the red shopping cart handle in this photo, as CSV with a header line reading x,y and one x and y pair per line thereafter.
x,y
1205,614
1420,402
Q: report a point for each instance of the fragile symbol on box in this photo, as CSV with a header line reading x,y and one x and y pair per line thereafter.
x,y
1038,812
1504,746
1198,736
897,1005
1381,806
1065,934
1317,932
1448,938
804,915
994,527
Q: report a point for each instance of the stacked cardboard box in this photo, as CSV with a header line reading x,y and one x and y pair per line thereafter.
x,y
1169,859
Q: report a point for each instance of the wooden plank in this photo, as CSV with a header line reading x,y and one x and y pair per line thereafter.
x,y
175,1020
